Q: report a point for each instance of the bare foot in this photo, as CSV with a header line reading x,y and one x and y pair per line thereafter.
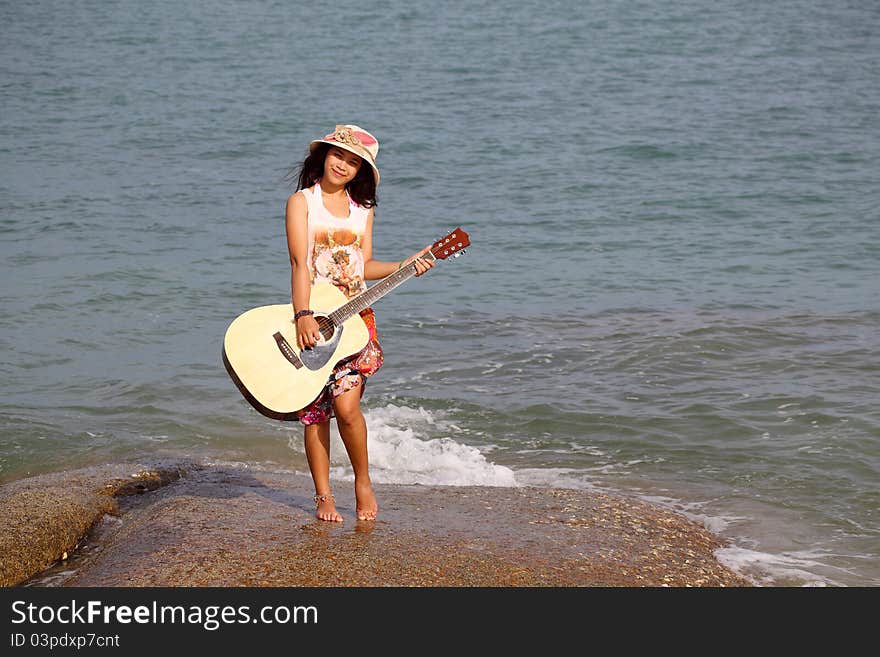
x,y
326,508
366,501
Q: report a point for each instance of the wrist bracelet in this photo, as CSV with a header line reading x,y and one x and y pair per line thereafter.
x,y
303,313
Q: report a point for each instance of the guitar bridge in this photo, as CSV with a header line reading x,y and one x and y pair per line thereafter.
x,y
287,351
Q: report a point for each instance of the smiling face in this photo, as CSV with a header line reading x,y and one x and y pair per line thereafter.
x,y
341,166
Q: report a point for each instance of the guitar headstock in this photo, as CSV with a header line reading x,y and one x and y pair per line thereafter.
x,y
451,245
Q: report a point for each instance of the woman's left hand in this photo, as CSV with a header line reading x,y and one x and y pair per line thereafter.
x,y
422,264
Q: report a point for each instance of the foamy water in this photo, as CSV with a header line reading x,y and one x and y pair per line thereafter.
x,y
413,446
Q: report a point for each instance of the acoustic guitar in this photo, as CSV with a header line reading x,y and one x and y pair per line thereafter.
x,y
279,379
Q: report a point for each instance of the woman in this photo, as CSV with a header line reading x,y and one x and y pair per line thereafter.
x,y
330,239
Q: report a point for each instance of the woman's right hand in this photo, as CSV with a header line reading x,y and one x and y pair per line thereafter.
x,y
307,332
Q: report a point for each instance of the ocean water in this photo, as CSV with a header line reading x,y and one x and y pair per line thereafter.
x,y
673,288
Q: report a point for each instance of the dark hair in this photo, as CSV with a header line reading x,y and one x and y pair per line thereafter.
x,y
362,188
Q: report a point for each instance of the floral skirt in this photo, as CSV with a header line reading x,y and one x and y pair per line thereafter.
x,y
347,375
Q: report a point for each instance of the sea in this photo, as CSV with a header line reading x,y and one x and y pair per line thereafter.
x,y
673,285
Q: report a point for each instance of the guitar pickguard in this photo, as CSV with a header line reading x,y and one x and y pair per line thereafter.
x,y
317,357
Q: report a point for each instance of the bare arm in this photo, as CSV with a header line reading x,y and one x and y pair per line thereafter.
x,y
297,226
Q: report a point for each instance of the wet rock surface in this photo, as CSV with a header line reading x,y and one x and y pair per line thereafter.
x,y
188,525
42,519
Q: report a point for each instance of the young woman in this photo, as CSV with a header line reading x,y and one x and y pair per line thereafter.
x,y
330,239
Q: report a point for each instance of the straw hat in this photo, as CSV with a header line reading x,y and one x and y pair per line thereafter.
x,y
355,139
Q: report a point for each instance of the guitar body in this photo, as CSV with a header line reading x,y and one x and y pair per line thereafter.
x,y
261,355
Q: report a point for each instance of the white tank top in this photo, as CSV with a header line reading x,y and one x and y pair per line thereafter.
x,y
335,254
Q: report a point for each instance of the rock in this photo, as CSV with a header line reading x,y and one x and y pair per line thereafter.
x,y
183,525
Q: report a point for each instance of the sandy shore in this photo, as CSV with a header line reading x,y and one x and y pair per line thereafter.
x,y
179,524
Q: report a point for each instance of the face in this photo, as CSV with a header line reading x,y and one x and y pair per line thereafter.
x,y
341,166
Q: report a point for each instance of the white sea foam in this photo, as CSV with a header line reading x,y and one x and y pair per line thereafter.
x,y
762,568
401,451
794,568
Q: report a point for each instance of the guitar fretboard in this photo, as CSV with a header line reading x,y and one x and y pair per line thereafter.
x,y
367,298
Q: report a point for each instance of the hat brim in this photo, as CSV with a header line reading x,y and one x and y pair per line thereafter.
x,y
363,153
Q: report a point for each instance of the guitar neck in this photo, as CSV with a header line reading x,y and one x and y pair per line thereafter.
x,y
370,296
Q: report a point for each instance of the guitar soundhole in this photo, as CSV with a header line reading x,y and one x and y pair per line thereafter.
x,y
326,326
